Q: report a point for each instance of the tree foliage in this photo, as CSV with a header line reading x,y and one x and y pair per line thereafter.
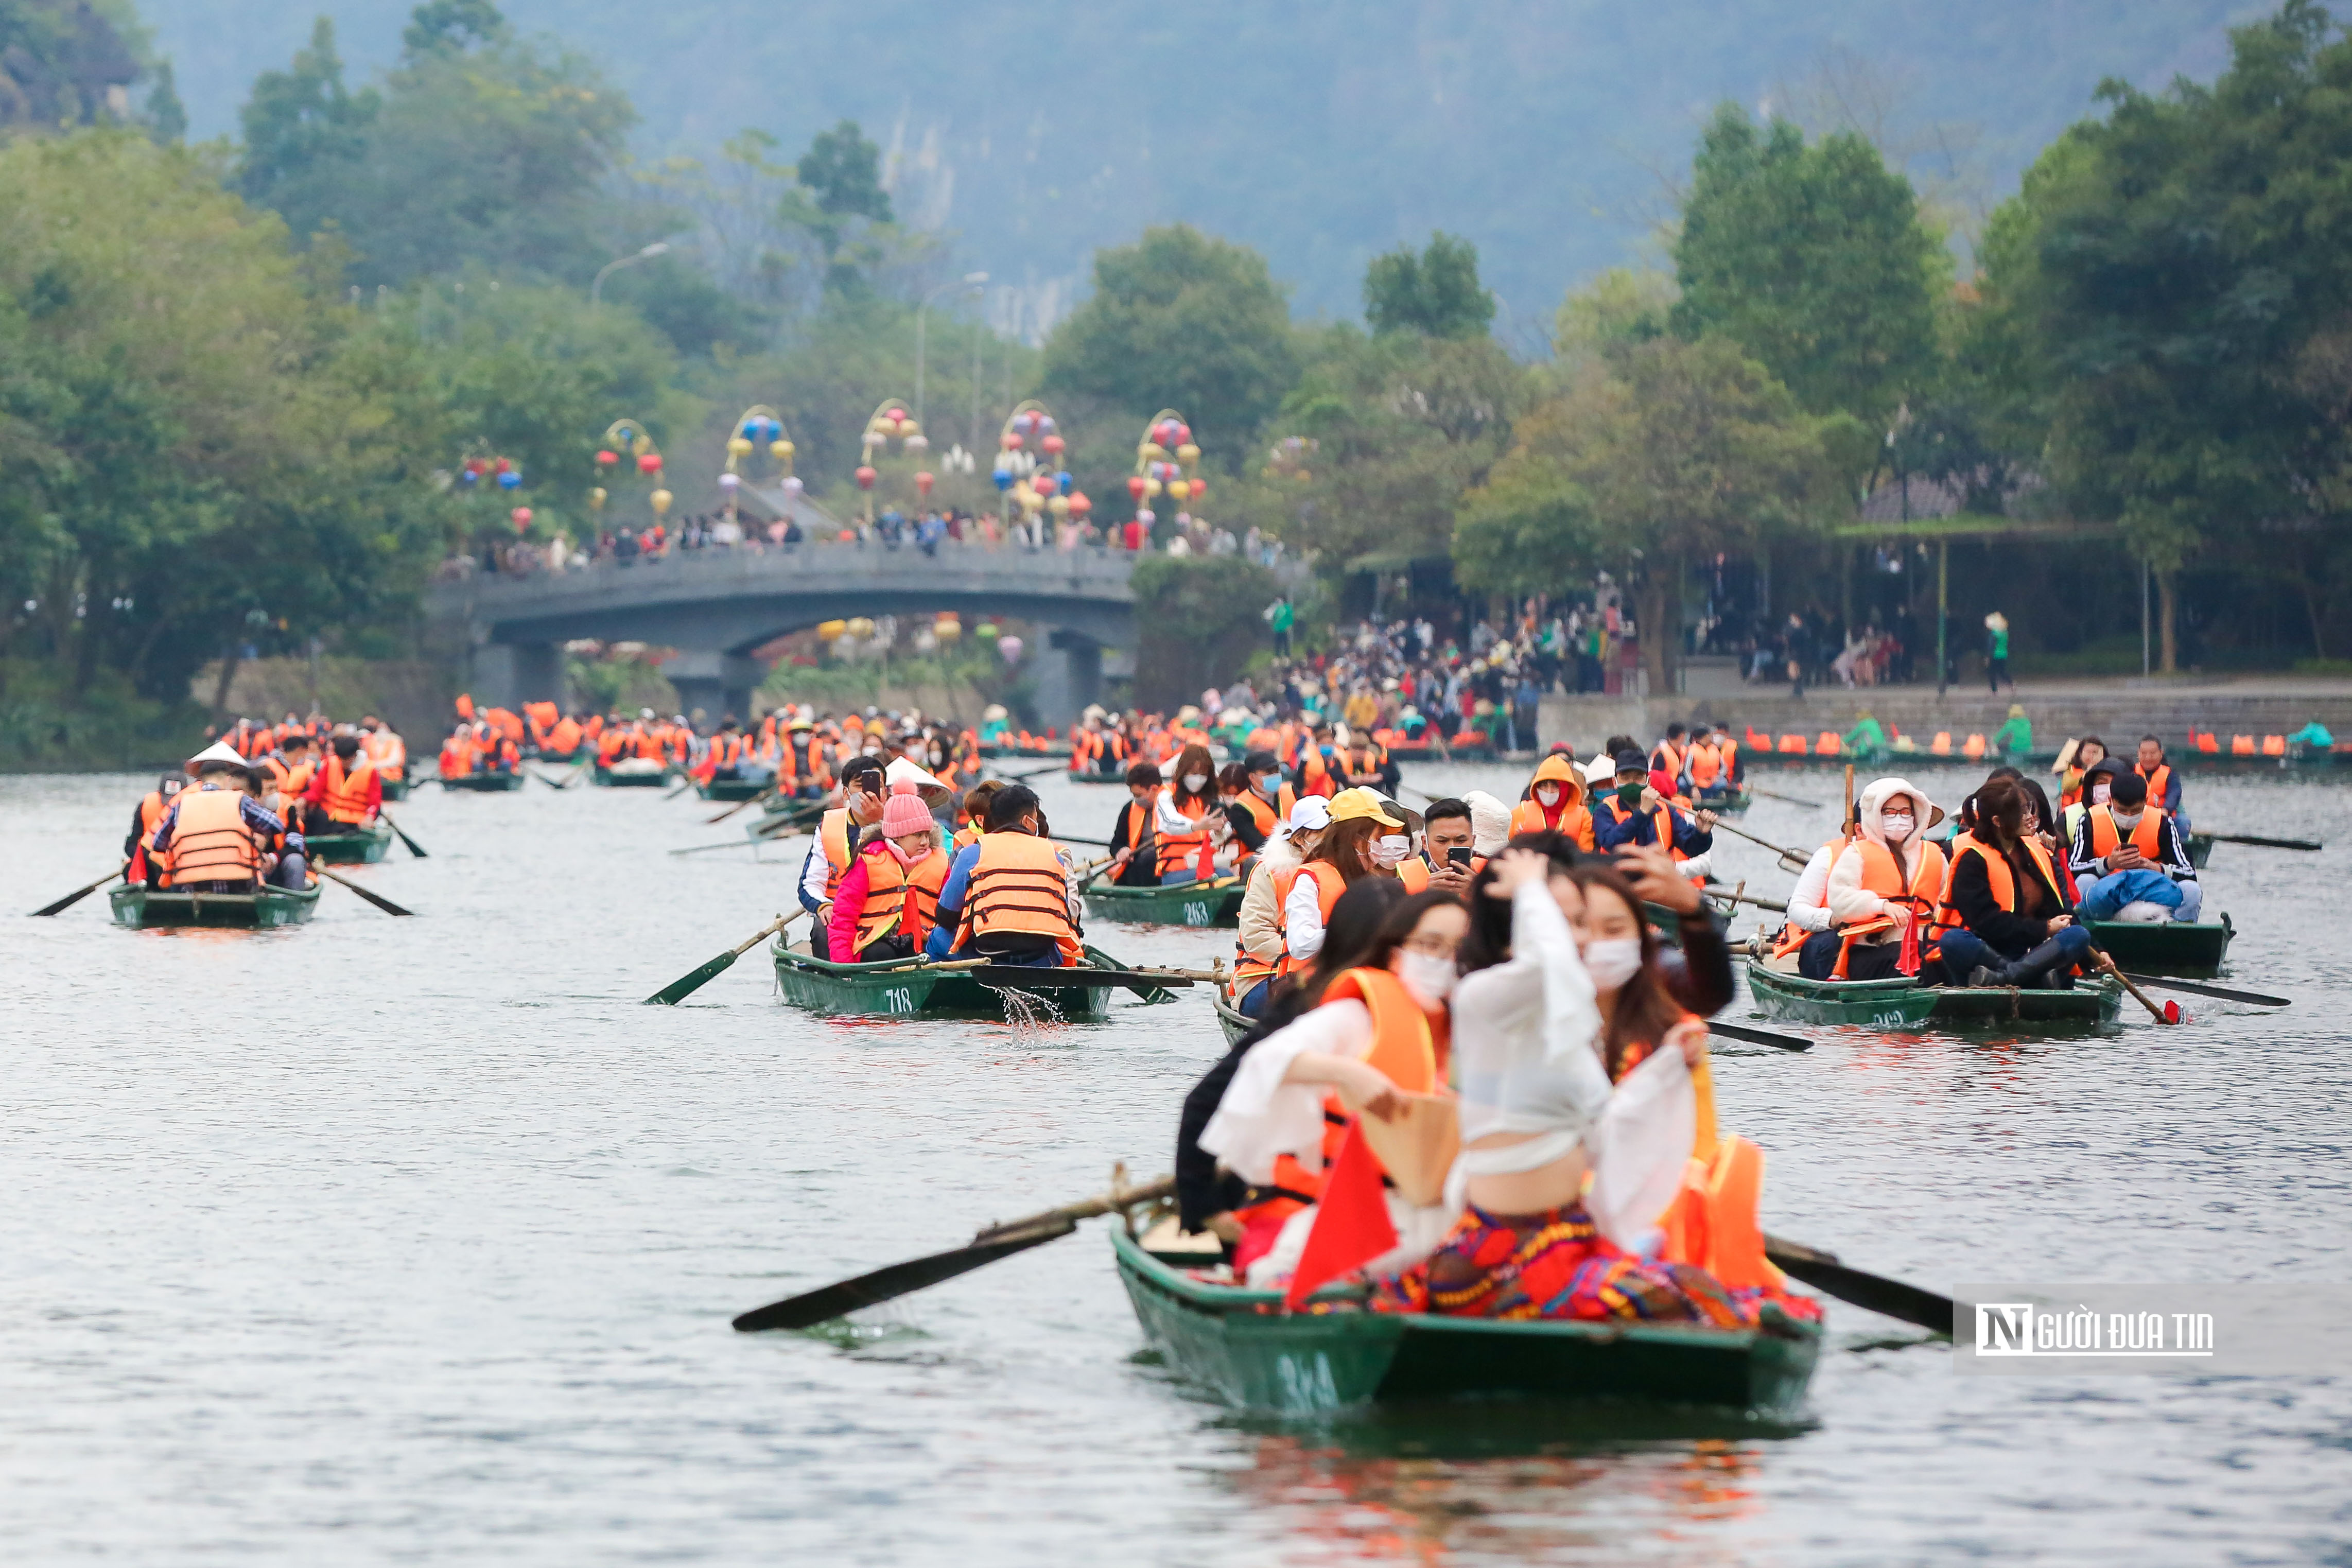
x,y
1814,260
1180,320
1198,620
1436,294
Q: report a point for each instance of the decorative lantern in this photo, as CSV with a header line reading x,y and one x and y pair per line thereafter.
x,y
1151,487
987,631
1059,506
1188,453
468,475
860,627
606,459
1054,444
521,516
829,631
1178,490
780,450
1146,517
1013,440
1150,450
946,628
1134,486
510,478
596,499
660,501
792,485
1199,487
1003,478
1011,648
729,482
865,478
1080,504
1064,482
923,483
738,447
650,463
919,443
1045,484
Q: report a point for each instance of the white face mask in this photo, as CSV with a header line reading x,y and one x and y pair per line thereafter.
x,y
2126,820
1548,795
1194,781
2099,792
1391,850
1613,963
1430,979
1898,826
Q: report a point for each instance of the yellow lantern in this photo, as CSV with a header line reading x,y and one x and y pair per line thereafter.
x,y
1059,506
1188,454
661,500
1178,490
1152,450
861,629
596,499
830,631
946,628
780,450
1031,500
1151,487
908,427
738,446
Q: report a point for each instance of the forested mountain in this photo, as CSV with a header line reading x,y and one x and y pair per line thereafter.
x,y
1547,132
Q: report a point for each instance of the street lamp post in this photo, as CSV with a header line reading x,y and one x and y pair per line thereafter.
x,y
596,290
969,280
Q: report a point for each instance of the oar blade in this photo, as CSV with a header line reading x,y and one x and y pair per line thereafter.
x,y
887,1284
378,900
70,899
2307,846
1888,1298
2221,993
687,985
1759,1036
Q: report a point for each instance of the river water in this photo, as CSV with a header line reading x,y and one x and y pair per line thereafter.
x,y
417,1241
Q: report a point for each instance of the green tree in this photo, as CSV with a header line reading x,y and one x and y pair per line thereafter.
x,y
1662,453
1199,623
304,132
1815,261
1179,319
1436,294
837,182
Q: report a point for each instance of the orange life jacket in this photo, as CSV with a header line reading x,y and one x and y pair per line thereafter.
x,y
1328,886
1017,885
385,752
210,841
1668,760
1414,870
833,835
2148,837
899,897
347,794
564,737
1569,817
1705,763
1882,876
1998,878
1792,935
1662,824
1262,813
1315,774
2159,781
1197,847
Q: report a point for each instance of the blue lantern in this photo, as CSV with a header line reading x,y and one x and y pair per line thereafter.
x,y
1003,478
467,476
510,479
1062,480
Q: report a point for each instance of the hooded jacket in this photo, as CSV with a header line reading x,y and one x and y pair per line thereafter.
x,y
1849,901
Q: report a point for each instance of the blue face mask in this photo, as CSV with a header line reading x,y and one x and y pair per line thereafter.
x,y
1266,784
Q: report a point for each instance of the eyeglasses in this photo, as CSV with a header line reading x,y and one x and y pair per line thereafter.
x,y
1434,946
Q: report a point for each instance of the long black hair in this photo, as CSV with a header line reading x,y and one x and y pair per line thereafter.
x,y
1489,942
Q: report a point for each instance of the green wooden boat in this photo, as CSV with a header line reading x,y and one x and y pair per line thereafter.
x,y
1867,1003
363,846
1725,803
2192,950
905,990
780,819
1253,1355
488,783
1229,1017
1076,776
1213,903
611,779
1898,1004
395,789
725,789
143,908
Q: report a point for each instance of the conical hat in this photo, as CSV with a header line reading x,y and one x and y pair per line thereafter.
x,y
218,751
933,792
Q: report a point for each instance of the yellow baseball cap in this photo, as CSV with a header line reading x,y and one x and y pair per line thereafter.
x,y
1350,804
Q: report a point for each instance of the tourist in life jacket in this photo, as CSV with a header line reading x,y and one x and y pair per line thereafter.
x,y
386,753
1009,898
1585,1105
839,835
1809,905
2163,781
2089,752
1635,812
889,900
2131,861
345,793
1381,1031
1882,890
1259,950
217,838
1708,764
2003,920
1671,755
1554,803
1345,852
1447,859
144,818
1314,775
1179,820
1258,810
1134,852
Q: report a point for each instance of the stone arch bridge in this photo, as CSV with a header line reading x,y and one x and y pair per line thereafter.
x,y
715,607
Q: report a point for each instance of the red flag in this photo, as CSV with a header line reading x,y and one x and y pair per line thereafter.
x,y
1908,961
1351,1221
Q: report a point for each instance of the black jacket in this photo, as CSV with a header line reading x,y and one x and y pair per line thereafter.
x,y
2010,935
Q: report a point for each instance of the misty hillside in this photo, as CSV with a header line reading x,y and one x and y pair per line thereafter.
x,y
1322,133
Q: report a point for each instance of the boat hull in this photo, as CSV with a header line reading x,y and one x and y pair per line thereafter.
x,y
1075,776
2192,950
1865,1003
612,780
141,909
487,783
1185,904
395,789
1230,1020
725,791
1241,1344
363,848
904,991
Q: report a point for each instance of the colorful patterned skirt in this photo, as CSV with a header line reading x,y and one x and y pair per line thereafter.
x,y
1556,1265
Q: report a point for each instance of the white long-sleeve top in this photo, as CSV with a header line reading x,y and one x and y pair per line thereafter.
x,y
1850,902
1302,919
1809,907
1260,917
1525,1032
1261,1117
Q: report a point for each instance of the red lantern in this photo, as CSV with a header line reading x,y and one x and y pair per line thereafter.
x,y
1184,435
1054,444
650,463
606,459
923,484
1134,486
521,516
896,414
1043,482
864,478
503,464
1079,503
1011,442
1199,487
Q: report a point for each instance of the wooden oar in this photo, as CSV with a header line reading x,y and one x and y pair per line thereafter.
x,y
683,785
413,848
78,894
747,800
378,900
1888,1298
728,843
1033,773
693,980
1789,858
814,1307
2165,982
1758,1037
2168,1013
1791,799
2308,846
554,784
1738,898
1079,976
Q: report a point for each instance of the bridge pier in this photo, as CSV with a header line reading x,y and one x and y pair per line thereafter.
x,y
718,683
1069,676
507,675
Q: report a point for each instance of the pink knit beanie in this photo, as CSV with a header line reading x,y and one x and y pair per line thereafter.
x,y
905,813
